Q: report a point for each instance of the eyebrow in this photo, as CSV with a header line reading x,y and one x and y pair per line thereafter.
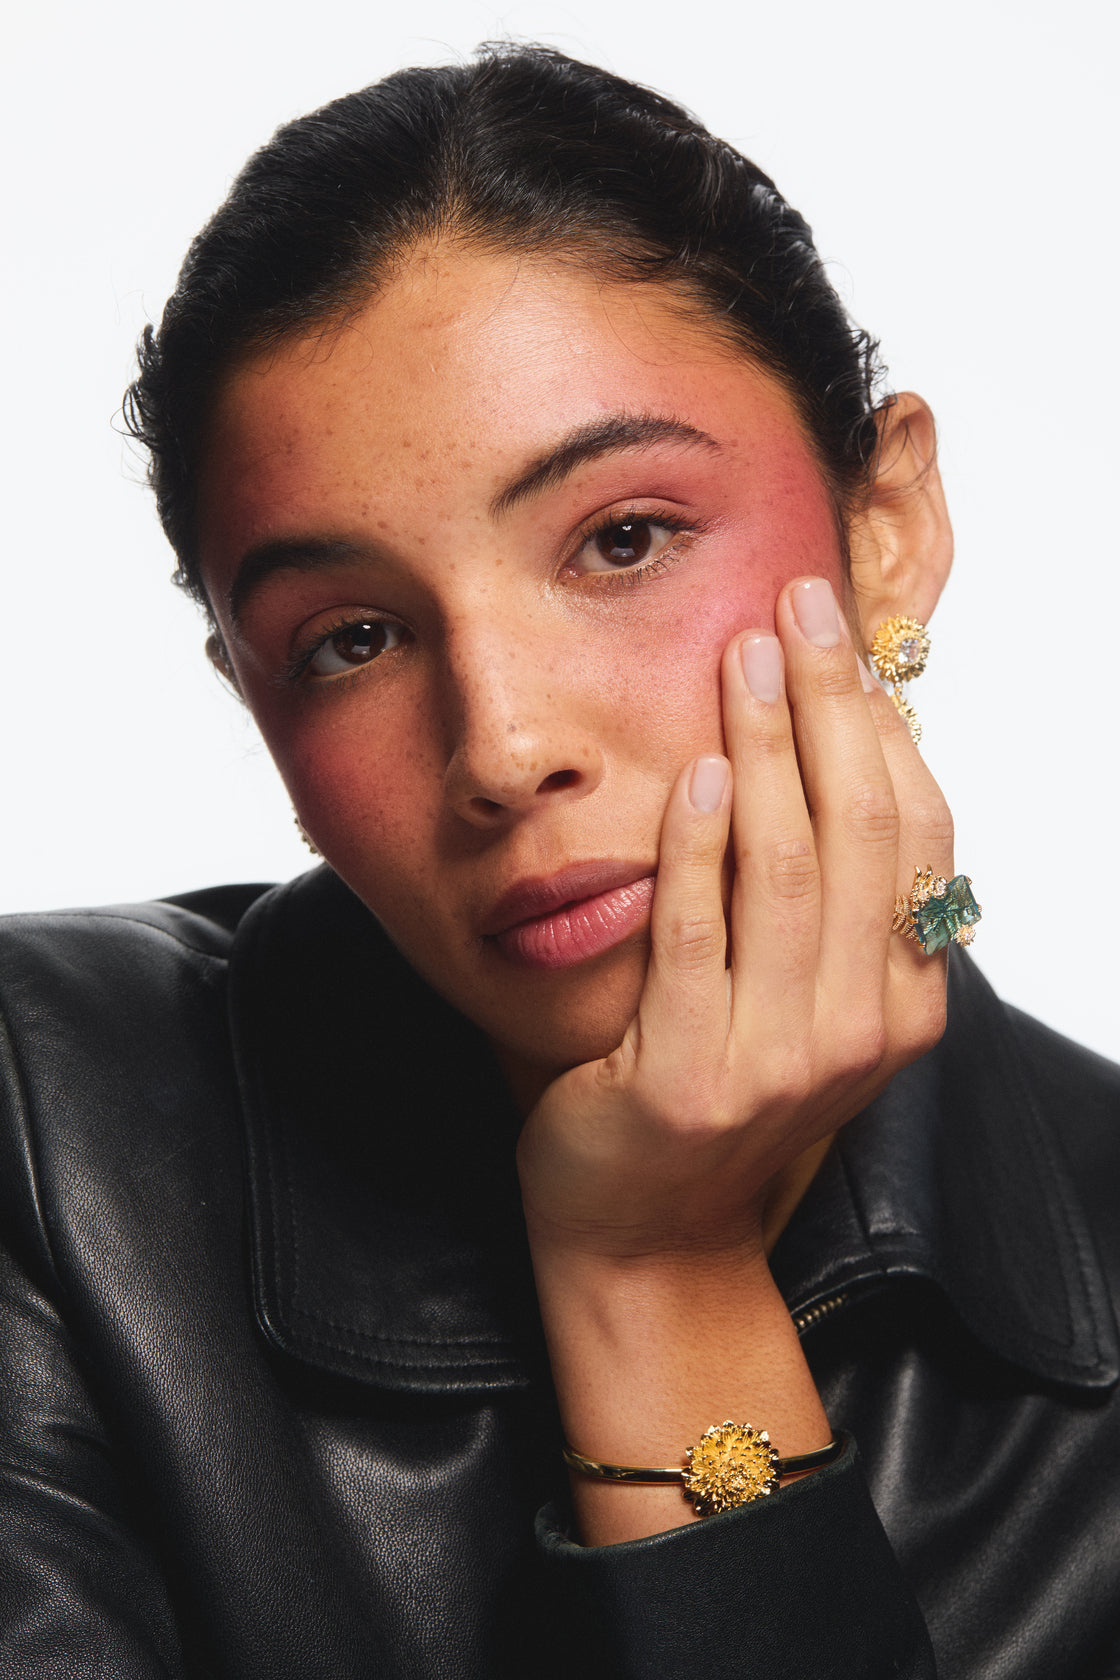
x,y
285,554
586,443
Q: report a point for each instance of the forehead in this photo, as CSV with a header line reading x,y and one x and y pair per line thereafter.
x,y
442,384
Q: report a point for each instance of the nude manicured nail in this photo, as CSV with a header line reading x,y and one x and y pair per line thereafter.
x,y
762,667
707,784
814,607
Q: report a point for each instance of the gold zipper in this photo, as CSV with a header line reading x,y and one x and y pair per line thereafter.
x,y
813,1315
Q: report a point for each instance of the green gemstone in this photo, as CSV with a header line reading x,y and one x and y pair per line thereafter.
x,y
940,918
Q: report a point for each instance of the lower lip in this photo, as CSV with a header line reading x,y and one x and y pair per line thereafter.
x,y
577,932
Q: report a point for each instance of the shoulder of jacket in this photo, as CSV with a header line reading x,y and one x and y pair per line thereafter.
x,y
1066,1081
114,1056
1077,1094
204,922
1075,1079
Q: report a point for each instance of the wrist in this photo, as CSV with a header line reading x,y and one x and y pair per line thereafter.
x,y
647,1355
693,1292
630,1256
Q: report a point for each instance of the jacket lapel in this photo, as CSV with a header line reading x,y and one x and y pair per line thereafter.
x,y
956,1174
387,1241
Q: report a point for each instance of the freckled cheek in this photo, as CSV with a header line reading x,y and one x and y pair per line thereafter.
x,y
368,791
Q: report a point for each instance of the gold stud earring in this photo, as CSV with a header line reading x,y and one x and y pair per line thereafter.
x,y
306,838
899,651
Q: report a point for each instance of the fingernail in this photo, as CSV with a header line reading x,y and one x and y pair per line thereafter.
x,y
707,784
865,677
814,607
762,667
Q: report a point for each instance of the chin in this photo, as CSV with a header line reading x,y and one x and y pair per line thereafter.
x,y
559,1021
567,1046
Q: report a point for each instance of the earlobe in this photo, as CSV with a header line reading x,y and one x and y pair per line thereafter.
x,y
901,544
219,658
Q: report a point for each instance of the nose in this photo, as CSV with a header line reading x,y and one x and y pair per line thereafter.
x,y
522,736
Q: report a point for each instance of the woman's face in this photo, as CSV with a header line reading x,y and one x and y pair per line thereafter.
x,y
474,557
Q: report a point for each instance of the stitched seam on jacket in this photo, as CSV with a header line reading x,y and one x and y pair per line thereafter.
x,y
401,1341
484,1356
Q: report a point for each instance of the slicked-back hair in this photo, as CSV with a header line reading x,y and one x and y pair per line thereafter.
x,y
519,150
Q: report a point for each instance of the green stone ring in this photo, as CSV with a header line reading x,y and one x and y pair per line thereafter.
x,y
937,911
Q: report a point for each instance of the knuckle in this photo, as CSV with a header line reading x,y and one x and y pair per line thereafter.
x,y
791,871
925,1023
866,1049
836,678
696,941
857,1044
889,721
933,820
691,858
788,1084
872,814
699,1115
690,1104
770,739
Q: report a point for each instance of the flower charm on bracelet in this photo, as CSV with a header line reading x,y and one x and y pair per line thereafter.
x,y
937,911
730,1465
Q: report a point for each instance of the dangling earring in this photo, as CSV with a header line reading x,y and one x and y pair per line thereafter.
x,y
306,838
899,652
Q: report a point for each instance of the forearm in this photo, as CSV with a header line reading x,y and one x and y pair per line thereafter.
x,y
647,1354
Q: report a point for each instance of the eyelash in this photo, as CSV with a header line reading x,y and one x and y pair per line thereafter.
x,y
295,669
626,577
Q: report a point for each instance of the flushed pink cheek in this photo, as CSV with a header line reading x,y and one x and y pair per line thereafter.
x,y
369,796
673,651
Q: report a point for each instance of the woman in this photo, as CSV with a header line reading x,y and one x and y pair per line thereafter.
x,y
536,488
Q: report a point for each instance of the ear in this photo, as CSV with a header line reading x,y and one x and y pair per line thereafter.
x,y
219,658
901,543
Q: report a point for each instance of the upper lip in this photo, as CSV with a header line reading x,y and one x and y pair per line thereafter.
x,y
539,895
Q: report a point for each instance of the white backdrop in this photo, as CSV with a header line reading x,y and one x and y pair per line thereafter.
x,y
958,165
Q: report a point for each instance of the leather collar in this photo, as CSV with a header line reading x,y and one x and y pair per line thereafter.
x,y
956,1174
387,1243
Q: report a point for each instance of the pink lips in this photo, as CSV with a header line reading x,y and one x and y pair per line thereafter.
x,y
571,916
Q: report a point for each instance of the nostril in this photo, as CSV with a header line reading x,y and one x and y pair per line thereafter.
x,y
486,807
559,780
494,790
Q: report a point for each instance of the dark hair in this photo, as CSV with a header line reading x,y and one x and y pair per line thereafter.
x,y
523,150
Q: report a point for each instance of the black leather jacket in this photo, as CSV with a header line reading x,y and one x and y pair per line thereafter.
x,y
273,1401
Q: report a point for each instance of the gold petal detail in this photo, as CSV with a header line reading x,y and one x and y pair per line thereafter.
x,y
730,1465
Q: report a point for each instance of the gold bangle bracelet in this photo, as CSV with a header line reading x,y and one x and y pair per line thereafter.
x,y
731,1464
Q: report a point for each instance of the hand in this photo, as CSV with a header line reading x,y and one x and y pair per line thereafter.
x,y
736,1064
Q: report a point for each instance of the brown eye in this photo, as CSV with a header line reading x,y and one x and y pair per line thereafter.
x,y
622,545
354,645
631,547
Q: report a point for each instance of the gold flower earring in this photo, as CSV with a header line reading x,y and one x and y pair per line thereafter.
x,y
899,652
306,838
